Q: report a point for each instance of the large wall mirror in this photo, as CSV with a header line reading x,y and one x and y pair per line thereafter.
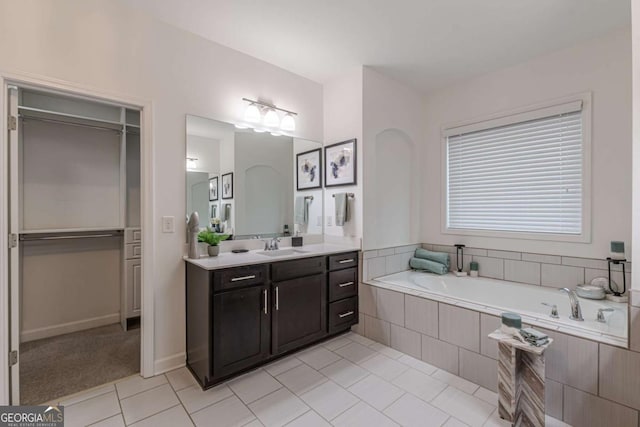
x,y
248,184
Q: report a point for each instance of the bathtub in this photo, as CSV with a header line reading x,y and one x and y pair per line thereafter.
x,y
497,296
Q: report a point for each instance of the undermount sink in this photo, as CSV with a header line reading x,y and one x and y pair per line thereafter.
x,y
282,252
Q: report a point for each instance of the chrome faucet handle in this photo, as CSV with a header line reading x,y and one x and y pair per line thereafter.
x,y
554,310
600,317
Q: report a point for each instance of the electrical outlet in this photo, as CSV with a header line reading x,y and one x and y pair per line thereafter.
x,y
168,224
329,220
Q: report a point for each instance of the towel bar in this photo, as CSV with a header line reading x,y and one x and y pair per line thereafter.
x,y
349,195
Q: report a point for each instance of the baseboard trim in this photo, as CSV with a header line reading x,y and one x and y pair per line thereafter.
x,y
66,328
169,363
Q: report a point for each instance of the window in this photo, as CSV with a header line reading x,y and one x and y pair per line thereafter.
x,y
523,175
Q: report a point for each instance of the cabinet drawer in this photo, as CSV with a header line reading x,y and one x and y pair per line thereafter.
x,y
343,314
132,235
341,261
287,270
133,251
343,284
239,277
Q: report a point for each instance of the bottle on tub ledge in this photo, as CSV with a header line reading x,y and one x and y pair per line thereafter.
x,y
473,269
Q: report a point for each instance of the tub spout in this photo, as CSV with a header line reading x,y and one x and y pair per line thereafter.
x,y
576,311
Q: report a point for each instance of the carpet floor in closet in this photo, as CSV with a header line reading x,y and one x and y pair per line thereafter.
x,y
65,364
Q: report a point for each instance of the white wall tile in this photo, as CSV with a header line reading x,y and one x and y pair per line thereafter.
x,y
440,354
546,259
475,251
386,252
504,254
634,328
406,341
421,315
444,248
573,361
459,326
585,262
367,299
376,267
584,409
377,330
490,267
561,276
488,324
553,398
620,375
479,369
406,249
398,262
369,254
390,306
522,271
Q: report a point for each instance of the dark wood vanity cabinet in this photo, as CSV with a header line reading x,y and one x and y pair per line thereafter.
x,y
300,303
241,317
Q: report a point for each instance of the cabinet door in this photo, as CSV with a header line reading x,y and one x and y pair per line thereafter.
x,y
299,312
133,287
241,323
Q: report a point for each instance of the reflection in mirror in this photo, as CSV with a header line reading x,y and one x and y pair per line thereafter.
x,y
244,183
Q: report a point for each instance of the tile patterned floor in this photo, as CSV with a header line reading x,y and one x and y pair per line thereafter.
x,y
348,381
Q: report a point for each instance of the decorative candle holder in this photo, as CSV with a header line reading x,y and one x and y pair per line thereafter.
x,y
459,260
617,295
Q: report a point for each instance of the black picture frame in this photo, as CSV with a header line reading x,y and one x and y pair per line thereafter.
x,y
214,189
318,167
226,195
330,169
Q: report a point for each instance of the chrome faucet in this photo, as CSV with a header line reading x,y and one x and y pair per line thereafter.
x,y
576,311
271,245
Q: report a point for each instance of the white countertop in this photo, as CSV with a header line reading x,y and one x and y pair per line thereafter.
x,y
229,259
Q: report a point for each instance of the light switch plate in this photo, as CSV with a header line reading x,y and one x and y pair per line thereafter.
x,y
168,224
329,220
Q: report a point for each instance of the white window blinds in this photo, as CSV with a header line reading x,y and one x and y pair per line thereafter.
x,y
524,176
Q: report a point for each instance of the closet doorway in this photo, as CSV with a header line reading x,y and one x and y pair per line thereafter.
x,y
75,262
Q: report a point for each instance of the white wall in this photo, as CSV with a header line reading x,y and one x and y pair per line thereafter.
x,y
316,208
343,121
602,66
635,25
112,48
393,139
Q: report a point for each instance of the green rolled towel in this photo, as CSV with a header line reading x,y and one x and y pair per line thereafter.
x,y
428,265
440,257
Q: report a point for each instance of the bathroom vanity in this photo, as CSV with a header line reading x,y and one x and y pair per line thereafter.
x,y
244,310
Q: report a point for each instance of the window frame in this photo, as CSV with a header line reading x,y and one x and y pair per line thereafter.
x,y
511,117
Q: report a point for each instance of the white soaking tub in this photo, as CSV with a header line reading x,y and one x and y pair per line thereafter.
x,y
497,296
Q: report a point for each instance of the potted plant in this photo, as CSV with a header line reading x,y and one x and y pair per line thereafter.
x,y
209,237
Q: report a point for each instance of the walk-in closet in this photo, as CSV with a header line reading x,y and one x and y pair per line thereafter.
x,y
76,268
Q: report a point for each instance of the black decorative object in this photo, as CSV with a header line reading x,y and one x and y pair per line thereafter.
x,y
616,292
227,186
459,257
340,161
309,170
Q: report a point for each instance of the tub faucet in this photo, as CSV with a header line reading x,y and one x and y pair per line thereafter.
x,y
576,312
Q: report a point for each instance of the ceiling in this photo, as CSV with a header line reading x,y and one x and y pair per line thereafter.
x,y
425,43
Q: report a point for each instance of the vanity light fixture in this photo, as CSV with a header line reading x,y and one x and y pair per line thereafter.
x,y
271,118
252,114
192,163
288,123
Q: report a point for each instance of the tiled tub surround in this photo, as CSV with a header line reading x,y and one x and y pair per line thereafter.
x,y
588,383
494,297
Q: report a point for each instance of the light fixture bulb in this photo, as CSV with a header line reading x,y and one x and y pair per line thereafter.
x,y
288,123
252,114
192,163
271,119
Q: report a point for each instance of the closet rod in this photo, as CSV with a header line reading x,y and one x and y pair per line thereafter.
x,y
28,238
119,131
